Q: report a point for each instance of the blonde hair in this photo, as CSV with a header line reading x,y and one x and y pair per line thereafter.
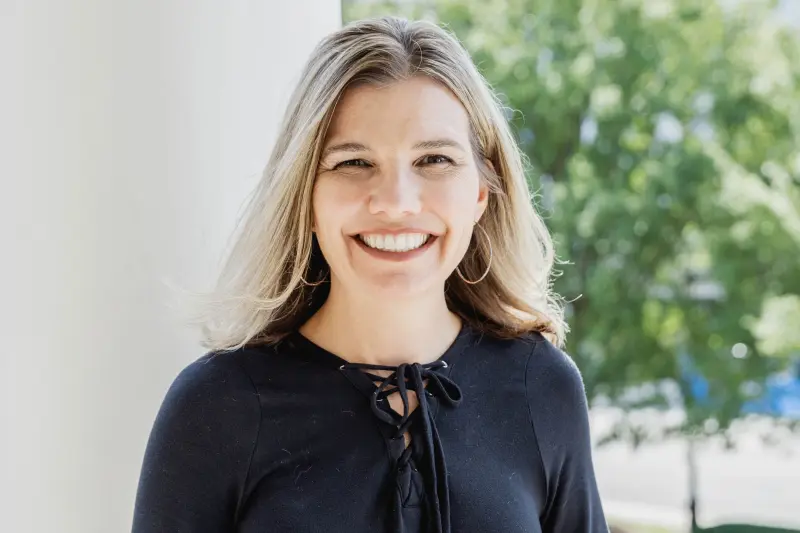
x,y
266,288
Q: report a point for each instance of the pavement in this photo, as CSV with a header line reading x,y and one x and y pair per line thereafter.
x,y
755,483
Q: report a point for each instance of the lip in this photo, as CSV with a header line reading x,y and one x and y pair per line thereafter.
x,y
396,257
382,231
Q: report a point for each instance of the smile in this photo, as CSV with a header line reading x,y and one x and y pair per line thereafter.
x,y
397,243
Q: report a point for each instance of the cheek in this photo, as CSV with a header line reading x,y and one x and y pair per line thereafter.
x,y
332,207
457,206
458,203
323,204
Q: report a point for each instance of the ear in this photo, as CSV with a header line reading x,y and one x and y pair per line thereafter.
x,y
483,200
483,193
488,163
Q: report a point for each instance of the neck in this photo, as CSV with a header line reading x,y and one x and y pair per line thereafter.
x,y
361,328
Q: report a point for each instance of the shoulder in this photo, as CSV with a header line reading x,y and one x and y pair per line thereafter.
x,y
204,435
551,374
548,369
215,393
211,414
213,376
488,345
556,399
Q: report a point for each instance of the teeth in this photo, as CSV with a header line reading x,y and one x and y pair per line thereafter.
x,y
395,243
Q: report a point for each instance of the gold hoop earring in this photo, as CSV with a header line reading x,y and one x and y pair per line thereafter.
x,y
315,284
488,266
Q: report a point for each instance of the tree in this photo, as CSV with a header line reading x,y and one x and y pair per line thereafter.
x,y
663,140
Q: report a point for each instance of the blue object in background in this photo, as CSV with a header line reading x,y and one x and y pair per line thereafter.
x,y
780,397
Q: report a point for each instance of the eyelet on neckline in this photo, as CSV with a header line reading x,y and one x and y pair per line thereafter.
x,y
444,363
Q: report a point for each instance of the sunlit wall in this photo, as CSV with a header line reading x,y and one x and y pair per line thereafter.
x,y
130,134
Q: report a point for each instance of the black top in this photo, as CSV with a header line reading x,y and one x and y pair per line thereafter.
x,y
292,438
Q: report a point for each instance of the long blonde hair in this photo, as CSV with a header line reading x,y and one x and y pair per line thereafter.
x,y
267,286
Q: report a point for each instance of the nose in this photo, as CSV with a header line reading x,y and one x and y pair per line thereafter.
x,y
397,193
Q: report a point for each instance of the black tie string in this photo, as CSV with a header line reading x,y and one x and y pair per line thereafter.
x,y
407,377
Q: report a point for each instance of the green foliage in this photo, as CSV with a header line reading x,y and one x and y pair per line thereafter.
x,y
664,140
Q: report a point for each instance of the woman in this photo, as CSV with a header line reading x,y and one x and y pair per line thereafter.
x,y
390,249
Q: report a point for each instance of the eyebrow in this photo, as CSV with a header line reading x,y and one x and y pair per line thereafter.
x,y
422,145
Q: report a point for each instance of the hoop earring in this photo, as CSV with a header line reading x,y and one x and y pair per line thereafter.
x,y
315,284
488,267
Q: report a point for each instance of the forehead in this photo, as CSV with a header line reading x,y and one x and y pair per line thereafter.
x,y
411,110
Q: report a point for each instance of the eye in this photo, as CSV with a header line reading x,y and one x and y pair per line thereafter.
x,y
436,159
352,163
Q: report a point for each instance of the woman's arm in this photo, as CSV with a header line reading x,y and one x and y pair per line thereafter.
x,y
198,454
560,419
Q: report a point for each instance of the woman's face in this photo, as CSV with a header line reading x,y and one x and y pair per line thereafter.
x,y
398,190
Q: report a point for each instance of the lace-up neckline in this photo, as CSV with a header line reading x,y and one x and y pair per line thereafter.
x,y
422,461
403,378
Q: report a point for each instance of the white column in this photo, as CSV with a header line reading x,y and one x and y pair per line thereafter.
x,y
130,133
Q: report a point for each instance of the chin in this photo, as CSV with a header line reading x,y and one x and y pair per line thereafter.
x,y
397,284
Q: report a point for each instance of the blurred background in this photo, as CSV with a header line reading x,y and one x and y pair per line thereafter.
x,y
664,145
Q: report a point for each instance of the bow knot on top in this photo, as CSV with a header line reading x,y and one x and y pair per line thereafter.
x,y
412,376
